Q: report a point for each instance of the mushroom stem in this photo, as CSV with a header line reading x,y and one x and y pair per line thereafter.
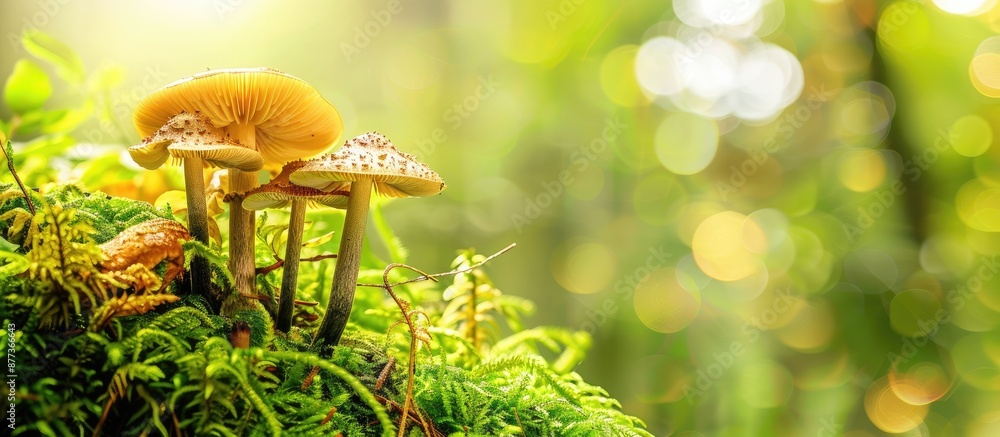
x,y
290,276
345,275
194,183
241,232
242,222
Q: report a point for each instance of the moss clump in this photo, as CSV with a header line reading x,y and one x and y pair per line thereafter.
x,y
173,370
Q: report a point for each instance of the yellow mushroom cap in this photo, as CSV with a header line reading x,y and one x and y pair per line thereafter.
x,y
279,193
290,117
370,156
188,135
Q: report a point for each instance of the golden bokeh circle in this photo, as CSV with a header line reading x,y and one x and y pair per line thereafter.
x,y
890,413
663,305
720,249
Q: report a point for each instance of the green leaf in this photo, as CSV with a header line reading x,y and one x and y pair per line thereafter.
x,y
47,48
101,170
27,88
13,263
7,245
65,120
318,241
49,145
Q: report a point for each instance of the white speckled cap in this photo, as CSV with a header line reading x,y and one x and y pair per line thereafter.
x,y
370,156
279,193
188,135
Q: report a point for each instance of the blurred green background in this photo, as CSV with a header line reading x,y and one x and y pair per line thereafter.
x,y
775,217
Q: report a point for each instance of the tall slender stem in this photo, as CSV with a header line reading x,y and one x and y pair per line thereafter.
x,y
241,232
345,275
194,183
290,276
242,223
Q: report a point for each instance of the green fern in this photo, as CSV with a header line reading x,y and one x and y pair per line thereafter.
x,y
63,267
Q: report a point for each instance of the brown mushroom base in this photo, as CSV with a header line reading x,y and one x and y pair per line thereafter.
x,y
345,275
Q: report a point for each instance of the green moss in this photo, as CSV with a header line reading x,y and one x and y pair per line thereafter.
x,y
174,367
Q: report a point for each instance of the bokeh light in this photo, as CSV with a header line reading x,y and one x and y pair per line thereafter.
x,y
984,70
725,246
663,305
971,136
862,170
904,26
686,143
889,412
965,7
583,267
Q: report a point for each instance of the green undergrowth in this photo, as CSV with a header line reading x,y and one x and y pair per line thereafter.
x,y
87,363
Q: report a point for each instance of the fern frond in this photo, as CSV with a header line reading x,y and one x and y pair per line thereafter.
x,y
359,389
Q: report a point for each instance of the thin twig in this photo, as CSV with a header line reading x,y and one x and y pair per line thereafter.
x,y
434,277
412,355
10,166
429,428
281,263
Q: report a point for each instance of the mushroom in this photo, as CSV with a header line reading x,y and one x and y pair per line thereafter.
x,y
279,193
191,138
365,162
276,114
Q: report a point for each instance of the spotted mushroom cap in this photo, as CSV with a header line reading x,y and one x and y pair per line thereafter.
x,y
279,193
290,118
370,156
188,135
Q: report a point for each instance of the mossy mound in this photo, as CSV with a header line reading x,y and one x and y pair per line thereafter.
x,y
88,364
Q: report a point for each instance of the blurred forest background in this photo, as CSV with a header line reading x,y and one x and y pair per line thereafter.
x,y
774,217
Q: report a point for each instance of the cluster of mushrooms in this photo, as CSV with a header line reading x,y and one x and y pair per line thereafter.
x,y
246,120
